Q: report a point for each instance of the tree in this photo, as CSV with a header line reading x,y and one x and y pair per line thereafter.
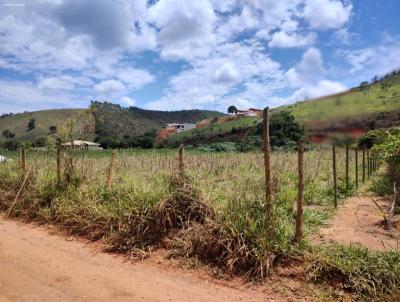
x,y
31,124
53,129
40,141
284,130
8,134
232,109
364,87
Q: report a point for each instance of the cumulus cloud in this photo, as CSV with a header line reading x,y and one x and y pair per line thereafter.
x,y
73,50
18,96
324,87
127,101
322,14
110,88
308,77
226,74
186,28
308,71
196,86
284,40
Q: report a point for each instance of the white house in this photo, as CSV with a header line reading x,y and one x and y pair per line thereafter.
x,y
82,145
180,127
249,112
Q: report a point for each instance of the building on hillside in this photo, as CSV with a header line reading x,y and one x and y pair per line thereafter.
x,y
249,112
180,127
82,145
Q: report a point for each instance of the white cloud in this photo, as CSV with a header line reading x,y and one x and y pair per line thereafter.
x,y
127,101
133,77
322,14
226,74
196,87
235,24
19,96
376,60
275,13
324,87
308,77
186,28
308,71
110,88
283,40
75,50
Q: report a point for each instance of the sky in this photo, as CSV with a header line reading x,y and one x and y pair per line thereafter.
x,y
190,54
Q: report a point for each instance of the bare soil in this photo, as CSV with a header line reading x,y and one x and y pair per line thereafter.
x,y
360,221
38,266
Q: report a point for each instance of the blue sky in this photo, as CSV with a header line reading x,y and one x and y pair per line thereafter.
x,y
181,54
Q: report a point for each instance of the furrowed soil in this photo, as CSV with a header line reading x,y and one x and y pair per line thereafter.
x,y
360,221
37,265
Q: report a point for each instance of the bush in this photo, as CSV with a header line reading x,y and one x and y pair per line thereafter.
x,y
356,269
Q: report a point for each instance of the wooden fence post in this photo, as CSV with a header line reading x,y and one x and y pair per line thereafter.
x,y
334,176
363,165
368,164
111,169
58,163
356,165
267,167
300,193
181,165
23,160
347,167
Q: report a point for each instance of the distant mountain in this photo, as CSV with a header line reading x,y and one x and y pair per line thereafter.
x,y
114,120
97,121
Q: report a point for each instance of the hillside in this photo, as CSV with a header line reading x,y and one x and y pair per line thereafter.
x,y
114,120
381,96
99,120
374,105
18,123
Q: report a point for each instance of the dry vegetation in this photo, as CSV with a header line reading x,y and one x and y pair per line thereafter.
x,y
214,211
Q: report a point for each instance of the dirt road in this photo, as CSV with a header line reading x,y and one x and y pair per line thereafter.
x,y
359,221
38,266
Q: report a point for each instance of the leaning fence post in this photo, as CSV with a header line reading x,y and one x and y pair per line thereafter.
x,y
347,167
300,193
356,165
111,169
267,167
21,188
334,176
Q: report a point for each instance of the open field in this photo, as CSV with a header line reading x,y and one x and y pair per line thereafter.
x,y
213,213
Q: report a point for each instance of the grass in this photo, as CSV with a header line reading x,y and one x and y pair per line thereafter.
x,y
214,212
351,103
356,269
44,119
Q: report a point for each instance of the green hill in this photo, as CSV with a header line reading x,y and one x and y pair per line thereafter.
x,y
375,105
114,120
18,123
98,121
